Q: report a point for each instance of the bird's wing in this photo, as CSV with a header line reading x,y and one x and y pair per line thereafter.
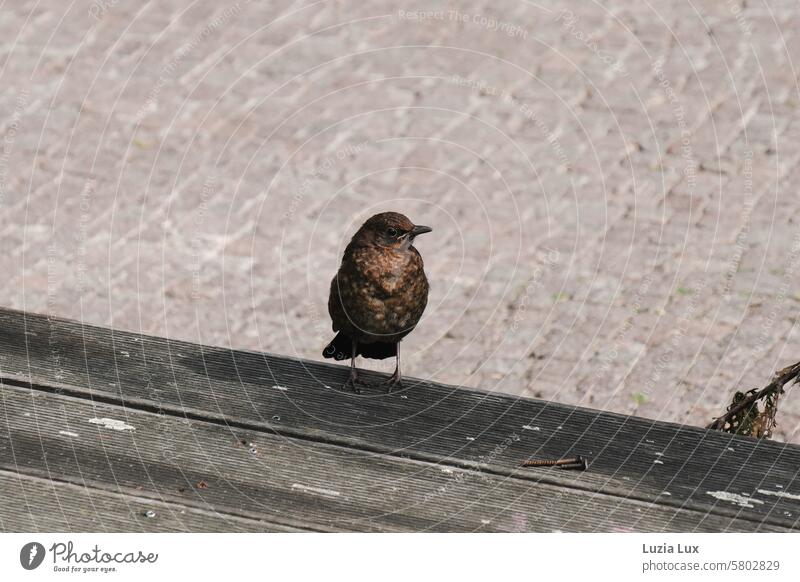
x,y
334,304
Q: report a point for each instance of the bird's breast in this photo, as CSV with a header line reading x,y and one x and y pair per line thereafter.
x,y
385,292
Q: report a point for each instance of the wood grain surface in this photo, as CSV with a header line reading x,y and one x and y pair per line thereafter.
x,y
242,441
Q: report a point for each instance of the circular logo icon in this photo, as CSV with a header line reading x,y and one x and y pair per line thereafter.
x,y
31,555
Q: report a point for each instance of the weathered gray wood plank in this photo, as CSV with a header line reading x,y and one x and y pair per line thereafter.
x,y
299,483
32,504
631,457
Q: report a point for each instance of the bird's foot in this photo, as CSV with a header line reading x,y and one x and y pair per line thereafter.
x,y
393,383
354,385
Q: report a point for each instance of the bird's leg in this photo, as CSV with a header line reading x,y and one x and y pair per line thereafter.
x,y
352,382
396,380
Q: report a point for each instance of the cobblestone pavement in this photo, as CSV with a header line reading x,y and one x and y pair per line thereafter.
x,y
613,188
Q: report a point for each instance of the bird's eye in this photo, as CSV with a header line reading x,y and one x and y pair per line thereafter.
x,y
392,232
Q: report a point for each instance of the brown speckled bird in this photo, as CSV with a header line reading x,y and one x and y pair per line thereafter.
x,y
378,295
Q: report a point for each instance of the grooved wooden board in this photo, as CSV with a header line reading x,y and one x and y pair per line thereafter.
x,y
44,504
428,458
249,473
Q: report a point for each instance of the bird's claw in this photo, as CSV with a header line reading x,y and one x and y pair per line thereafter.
x,y
353,384
391,384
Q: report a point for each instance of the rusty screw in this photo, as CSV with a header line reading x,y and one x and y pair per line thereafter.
x,y
576,463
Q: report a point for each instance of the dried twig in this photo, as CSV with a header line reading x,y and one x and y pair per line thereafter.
x,y
774,389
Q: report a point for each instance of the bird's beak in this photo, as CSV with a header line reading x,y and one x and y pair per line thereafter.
x,y
419,229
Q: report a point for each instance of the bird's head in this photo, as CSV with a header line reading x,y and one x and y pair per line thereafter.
x,y
390,230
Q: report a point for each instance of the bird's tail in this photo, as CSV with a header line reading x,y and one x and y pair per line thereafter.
x,y
378,350
341,348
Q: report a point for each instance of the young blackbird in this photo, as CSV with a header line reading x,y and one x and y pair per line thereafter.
x,y
378,295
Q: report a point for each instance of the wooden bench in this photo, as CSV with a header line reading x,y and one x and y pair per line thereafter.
x,y
103,430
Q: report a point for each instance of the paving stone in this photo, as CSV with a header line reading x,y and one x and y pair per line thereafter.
x,y
195,170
